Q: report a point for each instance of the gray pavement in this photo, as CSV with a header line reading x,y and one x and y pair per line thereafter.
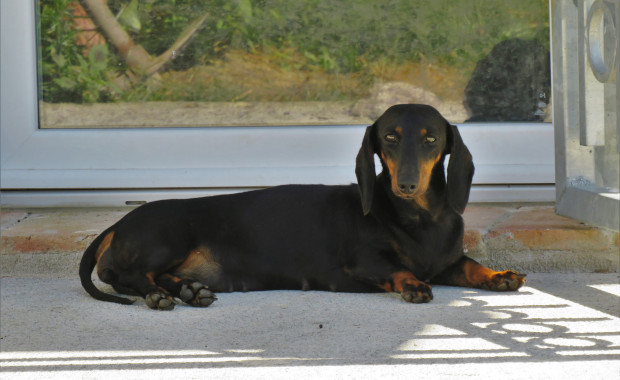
x,y
559,326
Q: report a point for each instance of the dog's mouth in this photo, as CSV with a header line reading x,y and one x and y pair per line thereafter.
x,y
417,197
406,196
409,196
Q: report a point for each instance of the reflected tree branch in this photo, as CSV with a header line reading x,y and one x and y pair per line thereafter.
x,y
136,57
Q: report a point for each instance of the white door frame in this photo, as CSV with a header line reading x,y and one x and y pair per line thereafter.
x,y
586,113
108,167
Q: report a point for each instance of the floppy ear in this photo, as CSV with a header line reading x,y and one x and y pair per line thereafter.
x,y
365,169
460,171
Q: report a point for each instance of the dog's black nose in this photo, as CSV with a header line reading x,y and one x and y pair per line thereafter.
x,y
406,188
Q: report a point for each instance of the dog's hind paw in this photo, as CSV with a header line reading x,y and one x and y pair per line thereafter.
x,y
159,301
196,294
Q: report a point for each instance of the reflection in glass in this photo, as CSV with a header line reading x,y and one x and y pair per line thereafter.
x,y
158,63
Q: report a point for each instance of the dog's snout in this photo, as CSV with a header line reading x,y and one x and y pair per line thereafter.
x,y
407,181
407,188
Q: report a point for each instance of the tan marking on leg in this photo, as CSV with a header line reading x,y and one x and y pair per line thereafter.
x,y
105,244
151,277
475,275
403,278
200,265
102,255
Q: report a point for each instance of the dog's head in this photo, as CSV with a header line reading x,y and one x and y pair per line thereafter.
x,y
412,141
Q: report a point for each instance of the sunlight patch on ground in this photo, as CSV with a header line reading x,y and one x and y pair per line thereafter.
x,y
608,288
534,321
103,358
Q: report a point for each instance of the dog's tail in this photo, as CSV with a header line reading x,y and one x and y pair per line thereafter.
x,y
86,269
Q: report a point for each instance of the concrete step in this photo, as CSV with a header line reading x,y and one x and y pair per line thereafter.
x,y
527,238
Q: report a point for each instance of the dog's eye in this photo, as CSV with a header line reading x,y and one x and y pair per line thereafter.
x,y
430,140
391,138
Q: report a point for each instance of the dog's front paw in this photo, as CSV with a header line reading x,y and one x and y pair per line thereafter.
x,y
197,294
159,301
418,293
506,281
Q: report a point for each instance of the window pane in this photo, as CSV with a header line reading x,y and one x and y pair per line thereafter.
x,y
162,63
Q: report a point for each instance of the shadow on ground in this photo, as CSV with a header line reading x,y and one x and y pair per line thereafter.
x,y
560,324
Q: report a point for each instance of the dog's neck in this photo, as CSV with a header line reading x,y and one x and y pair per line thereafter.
x,y
431,206
389,207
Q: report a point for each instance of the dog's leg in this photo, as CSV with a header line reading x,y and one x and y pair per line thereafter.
x,y
390,279
189,291
143,285
468,273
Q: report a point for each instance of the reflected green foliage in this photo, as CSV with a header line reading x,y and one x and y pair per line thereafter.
x,y
68,72
334,37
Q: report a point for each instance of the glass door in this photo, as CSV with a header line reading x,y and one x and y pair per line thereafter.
x,y
254,93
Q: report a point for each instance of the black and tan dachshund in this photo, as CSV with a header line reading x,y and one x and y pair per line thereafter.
x,y
400,231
